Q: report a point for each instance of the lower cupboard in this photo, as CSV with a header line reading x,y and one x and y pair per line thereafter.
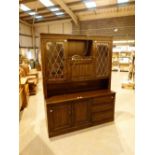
x,y
79,112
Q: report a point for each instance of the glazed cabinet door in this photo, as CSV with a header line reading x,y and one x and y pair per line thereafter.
x,y
59,117
55,65
81,112
102,54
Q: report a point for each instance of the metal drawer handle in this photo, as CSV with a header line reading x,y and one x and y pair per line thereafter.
x,y
112,97
51,110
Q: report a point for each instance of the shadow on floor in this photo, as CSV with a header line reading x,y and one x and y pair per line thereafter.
x,y
37,147
123,116
78,132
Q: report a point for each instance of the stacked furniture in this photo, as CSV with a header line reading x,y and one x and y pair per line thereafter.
x,y
32,77
23,93
115,61
125,61
76,81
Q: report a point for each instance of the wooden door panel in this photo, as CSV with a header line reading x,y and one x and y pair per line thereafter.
x,y
81,112
59,116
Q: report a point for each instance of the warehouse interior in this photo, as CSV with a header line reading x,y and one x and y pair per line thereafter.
x,y
102,18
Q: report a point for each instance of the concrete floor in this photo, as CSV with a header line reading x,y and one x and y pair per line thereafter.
x,y
116,138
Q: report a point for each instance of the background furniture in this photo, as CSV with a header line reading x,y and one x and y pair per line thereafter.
x,y
24,92
115,61
130,82
121,61
32,77
76,81
125,61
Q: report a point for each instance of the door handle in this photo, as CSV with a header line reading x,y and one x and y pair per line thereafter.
x,y
51,110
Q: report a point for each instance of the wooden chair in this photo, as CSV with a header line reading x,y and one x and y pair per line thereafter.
x,y
32,78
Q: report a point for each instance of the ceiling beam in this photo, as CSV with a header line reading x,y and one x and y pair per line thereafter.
x,y
52,19
122,11
39,9
67,10
26,1
49,18
106,6
24,22
80,10
50,7
42,14
75,11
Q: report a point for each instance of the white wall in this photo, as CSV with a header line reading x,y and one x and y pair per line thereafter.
x,y
60,27
25,37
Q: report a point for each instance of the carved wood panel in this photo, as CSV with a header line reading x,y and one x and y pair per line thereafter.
x,y
82,69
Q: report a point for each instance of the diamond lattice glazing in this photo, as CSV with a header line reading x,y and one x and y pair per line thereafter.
x,y
55,60
102,55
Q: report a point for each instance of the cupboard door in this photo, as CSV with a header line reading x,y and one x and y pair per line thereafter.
x,y
59,116
55,60
102,59
81,112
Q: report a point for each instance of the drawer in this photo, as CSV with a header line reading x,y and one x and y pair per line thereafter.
x,y
103,99
98,107
102,116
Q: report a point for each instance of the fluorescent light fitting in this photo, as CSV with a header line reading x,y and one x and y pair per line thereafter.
x,y
54,9
47,3
38,17
59,13
123,41
90,4
24,7
122,1
32,13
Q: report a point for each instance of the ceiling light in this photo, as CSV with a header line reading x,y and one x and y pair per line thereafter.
x,y
55,9
24,7
38,17
32,13
115,30
47,3
122,1
90,4
59,13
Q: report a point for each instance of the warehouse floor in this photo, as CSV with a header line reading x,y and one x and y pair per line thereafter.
x,y
115,138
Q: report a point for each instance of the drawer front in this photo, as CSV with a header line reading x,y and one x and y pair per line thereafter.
x,y
102,116
104,99
98,107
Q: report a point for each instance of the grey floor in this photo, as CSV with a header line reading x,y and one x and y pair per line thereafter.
x,y
116,138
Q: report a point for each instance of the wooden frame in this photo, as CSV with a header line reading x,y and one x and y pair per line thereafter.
x,y
73,102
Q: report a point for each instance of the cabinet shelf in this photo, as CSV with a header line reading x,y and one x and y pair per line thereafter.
x,y
78,96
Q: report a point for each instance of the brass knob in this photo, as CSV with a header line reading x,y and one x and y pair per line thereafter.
x,y
51,110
